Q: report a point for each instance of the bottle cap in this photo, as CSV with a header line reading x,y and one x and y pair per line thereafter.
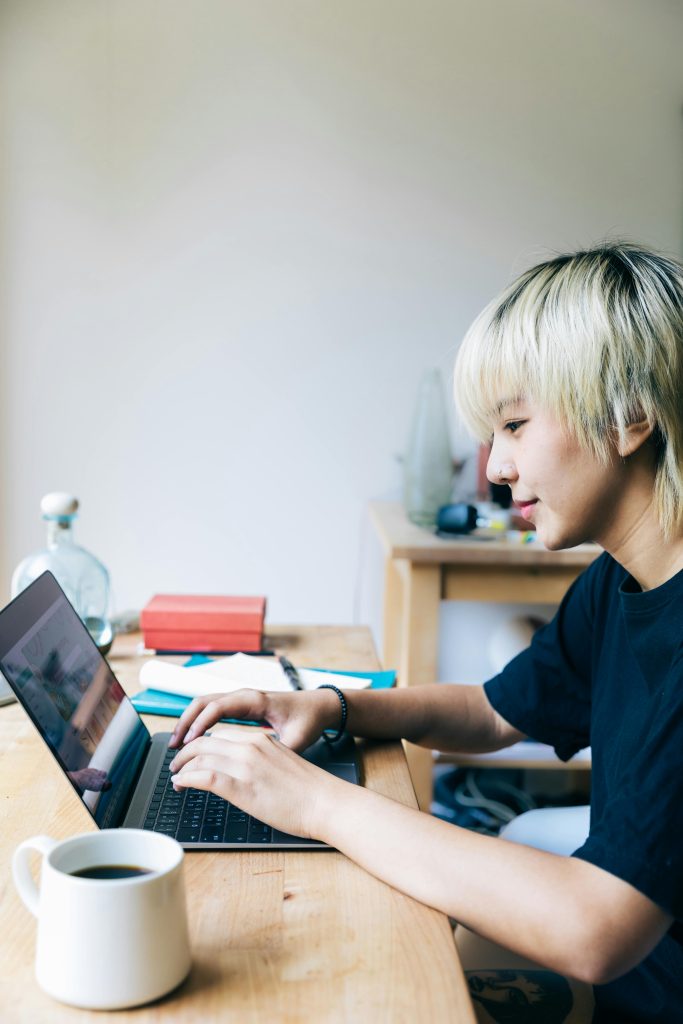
x,y
58,505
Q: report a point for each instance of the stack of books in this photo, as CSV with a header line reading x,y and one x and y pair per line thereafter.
x,y
203,624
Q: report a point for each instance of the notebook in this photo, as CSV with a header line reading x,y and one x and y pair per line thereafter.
x,y
232,673
163,701
118,770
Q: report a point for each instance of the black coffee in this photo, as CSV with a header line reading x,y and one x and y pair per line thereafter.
x,y
110,871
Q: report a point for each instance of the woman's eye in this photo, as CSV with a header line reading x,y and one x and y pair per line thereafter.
x,y
514,425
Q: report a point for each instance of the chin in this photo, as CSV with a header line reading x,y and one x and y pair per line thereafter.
x,y
551,543
558,541
561,545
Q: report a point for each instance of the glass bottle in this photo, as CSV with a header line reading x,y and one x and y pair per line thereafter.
x,y
83,578
428,465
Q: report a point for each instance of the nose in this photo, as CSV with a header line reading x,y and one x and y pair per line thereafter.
x,y
500,469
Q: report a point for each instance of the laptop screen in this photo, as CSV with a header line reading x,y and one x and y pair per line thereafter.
x,y
75,701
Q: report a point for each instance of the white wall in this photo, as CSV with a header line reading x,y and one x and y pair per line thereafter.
x,y
233,234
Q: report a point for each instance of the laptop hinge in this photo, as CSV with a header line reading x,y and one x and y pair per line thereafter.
x,y
135,815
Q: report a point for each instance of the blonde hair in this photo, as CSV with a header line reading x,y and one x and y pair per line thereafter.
x,y
596,338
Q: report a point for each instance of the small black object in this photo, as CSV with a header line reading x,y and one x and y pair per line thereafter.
x,y
344,712
458,518
290,672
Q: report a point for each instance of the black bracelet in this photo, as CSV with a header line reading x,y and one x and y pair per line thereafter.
x,y
344,712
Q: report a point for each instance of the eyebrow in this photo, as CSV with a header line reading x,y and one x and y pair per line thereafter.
x,y
505,403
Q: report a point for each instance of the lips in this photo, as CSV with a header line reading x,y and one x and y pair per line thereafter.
x,y
526,507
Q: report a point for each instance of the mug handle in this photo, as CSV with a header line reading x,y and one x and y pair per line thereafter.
x,y
23,879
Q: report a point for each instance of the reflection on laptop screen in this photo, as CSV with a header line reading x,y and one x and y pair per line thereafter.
x,y
73,698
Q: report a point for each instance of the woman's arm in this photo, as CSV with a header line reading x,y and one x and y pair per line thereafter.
x,y
562,912
438,716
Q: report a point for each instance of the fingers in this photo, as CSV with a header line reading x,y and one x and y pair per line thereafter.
x,y
254,771
212,774
205,711
217,746
218,764
189,715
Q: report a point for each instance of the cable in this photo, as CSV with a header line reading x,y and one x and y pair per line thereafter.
x,y
477,799
460,800
524,799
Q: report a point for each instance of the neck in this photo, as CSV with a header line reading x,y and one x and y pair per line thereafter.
x,y
636,540
647,556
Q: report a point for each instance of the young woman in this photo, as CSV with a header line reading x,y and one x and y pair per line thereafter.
x,y
576,376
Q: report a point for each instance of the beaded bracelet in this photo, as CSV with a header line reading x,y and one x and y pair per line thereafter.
x,y
344,712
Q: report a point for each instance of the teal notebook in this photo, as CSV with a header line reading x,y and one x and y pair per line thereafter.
x,y
155,702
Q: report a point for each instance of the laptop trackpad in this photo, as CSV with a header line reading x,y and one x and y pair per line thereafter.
x,y
337,758
347,772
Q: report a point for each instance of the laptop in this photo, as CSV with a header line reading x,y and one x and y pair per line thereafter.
x,y
6,694
118,769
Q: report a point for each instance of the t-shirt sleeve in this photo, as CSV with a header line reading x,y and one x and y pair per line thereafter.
x,y
637,833
545,691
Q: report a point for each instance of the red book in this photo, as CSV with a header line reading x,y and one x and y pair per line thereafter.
x,y
203,623
204,612
201,642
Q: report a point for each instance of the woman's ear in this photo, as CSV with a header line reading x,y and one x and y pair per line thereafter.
x,y
635,436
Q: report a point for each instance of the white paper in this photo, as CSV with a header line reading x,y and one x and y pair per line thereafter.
x,y
235,672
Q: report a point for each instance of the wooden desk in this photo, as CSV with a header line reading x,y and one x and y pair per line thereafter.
x,y
276,936
422,569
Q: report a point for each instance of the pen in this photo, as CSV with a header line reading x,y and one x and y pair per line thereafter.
x,y
290,672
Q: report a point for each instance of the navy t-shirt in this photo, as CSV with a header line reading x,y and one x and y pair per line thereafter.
x,y
608,672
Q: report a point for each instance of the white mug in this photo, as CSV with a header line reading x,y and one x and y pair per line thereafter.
x,y
113,943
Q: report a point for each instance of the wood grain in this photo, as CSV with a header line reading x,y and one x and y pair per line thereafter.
x,y
276,936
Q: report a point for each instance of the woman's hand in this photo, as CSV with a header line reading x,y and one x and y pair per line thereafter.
x,y
255,771
298,718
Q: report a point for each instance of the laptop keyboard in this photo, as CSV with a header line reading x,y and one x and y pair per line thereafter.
x,y
193,816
